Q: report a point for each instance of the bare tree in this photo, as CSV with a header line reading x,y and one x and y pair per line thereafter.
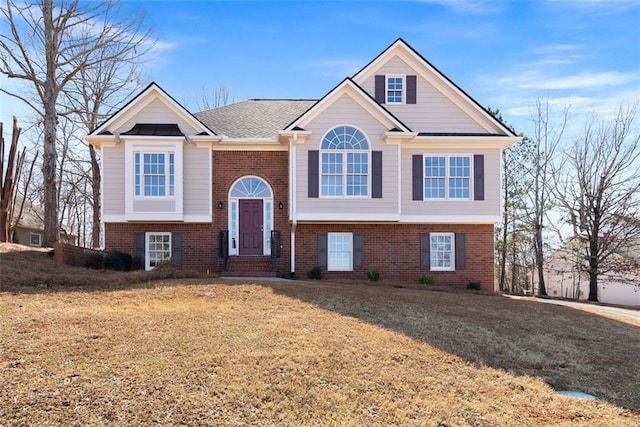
x,y
9,175
218,97
94,95
547,135
598,186
47,47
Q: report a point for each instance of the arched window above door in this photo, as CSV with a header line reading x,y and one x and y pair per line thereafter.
x,y
250,187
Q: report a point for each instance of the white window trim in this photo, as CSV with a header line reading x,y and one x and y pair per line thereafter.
x,y
148,144
344,168
452,267
446,178
167,175
350,267
31,235
267,208
147,259
404,88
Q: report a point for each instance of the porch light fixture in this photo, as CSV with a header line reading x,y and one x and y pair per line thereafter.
x,y
220,205
280,205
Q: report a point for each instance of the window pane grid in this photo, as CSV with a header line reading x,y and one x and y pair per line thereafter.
x,y
441,252
339,254
154,174
394,89
344,164
447,177
159,247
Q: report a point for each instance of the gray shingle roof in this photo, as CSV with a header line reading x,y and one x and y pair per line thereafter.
x,y
254,118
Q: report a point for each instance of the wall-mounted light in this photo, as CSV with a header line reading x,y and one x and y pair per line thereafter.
x,y
220,205
280,205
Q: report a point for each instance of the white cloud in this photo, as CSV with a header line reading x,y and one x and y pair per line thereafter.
x,y
537,80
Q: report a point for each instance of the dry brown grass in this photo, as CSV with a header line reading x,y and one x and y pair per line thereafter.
x,y
209,352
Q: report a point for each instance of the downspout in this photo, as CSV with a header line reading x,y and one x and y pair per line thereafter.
x,y
292,200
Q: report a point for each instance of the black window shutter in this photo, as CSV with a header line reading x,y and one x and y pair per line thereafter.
x,y
380,89
425,251
411,89
418,182
313,174
376,174
358,248
322,250
478,177
138,256
176,249
461,251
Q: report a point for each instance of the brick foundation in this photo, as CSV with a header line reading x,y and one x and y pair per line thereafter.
x,y
394,250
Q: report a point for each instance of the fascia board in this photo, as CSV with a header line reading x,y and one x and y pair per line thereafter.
x,y
461,142
349,88
141,101
434,76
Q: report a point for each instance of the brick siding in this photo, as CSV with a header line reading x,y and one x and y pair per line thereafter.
x,y
394,250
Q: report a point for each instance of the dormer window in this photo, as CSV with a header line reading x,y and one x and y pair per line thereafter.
x,y
395,90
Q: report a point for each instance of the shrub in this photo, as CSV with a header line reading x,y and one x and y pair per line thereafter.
x,y
119,261
425,279
95,261
473,285
315,273
373,275
166,264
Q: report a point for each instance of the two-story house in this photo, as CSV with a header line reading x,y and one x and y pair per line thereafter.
x,y
396,169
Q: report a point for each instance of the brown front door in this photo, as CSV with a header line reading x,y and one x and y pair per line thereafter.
x,y
250,227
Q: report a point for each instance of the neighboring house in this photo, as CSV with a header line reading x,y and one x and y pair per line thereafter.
x,y
396,169
566,279
29,229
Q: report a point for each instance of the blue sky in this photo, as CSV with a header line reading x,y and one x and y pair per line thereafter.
x,y
505,54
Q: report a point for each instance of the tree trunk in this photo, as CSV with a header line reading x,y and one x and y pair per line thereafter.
x,y
97,207
542,289
505,222
51,229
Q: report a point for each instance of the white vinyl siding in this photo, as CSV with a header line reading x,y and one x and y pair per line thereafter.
x,y
336,114
490,206
113,178
434,112
156,112
197,187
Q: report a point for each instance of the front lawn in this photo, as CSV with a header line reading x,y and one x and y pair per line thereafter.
x,y
210,352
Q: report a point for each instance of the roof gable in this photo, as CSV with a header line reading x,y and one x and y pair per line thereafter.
x,y
402,50
350,88
152,97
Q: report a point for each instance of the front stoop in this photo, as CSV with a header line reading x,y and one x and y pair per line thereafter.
x,y
249,266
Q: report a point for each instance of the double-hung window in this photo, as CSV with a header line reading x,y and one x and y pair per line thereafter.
x,y
395,89
447,177
344,163
442,251
158,249
154,174
340,252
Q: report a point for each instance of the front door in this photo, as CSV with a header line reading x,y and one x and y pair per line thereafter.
x,y
250,226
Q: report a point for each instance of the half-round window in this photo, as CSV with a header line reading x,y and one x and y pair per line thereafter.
x,y
250,187
344,163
